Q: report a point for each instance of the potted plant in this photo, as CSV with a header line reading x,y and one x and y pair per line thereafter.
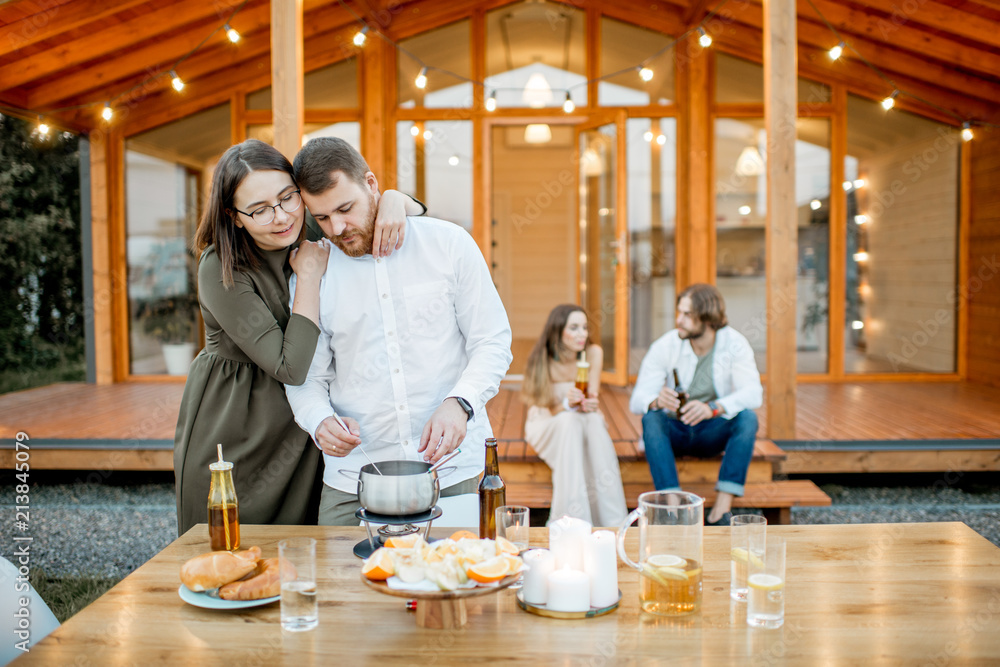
x,y
171,320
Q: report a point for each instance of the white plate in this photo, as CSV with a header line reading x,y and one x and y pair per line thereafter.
x,y
206,601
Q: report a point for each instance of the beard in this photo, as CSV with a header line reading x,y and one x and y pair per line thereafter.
x,y
359,239
686,334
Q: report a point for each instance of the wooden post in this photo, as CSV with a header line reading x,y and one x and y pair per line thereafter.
x,y
101,247
695,231
287,71
379,76
780,108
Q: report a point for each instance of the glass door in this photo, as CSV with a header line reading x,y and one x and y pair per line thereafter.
x,y
602,267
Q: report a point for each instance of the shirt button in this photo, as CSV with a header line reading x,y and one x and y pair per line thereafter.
x,y
385,296
390,333
402,407
378,261
395,370
406,442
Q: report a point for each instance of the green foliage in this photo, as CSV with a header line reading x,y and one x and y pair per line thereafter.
x,y
69,595
41,305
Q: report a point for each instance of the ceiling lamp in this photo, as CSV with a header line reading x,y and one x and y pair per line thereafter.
x,y
750,162
537,92
537,133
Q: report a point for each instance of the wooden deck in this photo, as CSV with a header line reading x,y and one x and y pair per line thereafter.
x,y
951,425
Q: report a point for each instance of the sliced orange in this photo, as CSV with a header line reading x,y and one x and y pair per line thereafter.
x,y
488,571
505,546
463,535
404,541
514,563
379,566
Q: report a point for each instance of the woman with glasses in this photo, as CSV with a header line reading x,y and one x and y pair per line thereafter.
x,y
252,237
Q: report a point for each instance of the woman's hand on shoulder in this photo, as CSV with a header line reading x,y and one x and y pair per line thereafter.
x,y
390,223
308,261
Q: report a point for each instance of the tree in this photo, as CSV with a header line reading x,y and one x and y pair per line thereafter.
x,y
41,304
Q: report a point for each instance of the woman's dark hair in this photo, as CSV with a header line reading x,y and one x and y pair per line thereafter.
x,y
707,304
234,246
537,385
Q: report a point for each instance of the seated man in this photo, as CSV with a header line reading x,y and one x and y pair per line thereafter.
x,y
716,365
411,347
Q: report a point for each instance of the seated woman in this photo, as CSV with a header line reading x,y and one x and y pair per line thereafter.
x,y
567,428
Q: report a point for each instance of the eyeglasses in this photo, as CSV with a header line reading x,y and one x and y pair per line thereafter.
x,y
264,215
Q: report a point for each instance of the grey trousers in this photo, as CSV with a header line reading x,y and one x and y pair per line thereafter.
x,y
337,508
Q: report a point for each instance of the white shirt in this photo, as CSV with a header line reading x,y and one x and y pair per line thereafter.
x,y
398,336
734,371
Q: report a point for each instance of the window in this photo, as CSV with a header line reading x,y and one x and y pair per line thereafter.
x,y
333,87
434,164
623,47
439,55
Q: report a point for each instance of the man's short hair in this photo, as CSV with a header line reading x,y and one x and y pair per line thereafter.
x,y
707,304
317,163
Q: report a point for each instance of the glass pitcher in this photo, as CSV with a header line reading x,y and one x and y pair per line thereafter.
x,y
670,551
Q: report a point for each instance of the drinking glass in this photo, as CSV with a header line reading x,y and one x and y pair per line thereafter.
x,y
766,583
297,565
513,524
670,551
747,537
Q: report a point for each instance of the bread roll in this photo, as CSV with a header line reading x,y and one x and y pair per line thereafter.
x,y
263,582
218,568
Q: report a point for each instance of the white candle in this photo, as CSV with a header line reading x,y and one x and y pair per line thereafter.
x,y
567,537
600,561
540,563
569,590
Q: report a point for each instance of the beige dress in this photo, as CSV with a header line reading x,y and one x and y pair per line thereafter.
x,y
586,481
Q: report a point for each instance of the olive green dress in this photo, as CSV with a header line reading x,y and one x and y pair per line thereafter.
x,y
235,396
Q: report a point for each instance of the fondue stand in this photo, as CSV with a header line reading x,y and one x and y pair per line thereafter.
x,y
391,526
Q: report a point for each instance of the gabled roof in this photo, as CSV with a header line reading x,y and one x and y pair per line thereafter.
x,y
64,53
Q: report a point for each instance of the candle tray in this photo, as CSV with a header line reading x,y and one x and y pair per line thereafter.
x,y
542,610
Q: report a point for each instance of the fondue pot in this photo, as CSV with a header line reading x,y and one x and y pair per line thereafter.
x,y
404,487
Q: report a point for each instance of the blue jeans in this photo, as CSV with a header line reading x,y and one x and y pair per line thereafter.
x,y
666,437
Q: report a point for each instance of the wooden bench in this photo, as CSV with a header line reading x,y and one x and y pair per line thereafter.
x,y
774,498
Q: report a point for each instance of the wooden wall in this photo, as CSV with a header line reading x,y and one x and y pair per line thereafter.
x,y
982,280
912,244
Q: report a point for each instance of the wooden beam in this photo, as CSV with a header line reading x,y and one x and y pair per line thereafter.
x,y
118,38
837,284
938,17
694,13
781,238
287,72
101,258
119,259
58,18
698,191
374,61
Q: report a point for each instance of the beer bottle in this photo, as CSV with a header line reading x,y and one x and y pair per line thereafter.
x,y
681,394
582,373
492,493
223,507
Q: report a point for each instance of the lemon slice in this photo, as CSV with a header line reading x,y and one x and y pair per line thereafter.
x,y
740,554
666,560
765,582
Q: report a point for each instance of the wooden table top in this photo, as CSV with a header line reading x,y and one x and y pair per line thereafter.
x,y
890,593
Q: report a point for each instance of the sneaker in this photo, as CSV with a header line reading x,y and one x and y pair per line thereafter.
x,y
725,520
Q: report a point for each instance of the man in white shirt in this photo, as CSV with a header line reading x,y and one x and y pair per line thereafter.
x,y
721,387
411,346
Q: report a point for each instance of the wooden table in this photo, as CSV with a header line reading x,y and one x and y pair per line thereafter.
x,y
926,594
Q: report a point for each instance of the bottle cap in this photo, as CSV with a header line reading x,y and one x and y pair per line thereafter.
x,y
219,466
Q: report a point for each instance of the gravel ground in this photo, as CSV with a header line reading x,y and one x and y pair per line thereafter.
x,y
107,531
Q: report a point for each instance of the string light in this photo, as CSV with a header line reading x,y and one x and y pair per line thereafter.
x,y
859,183
648,136
645,73
569,105
705,39
107,113
890,101
661,139
857,325
837,51
815,204
491,101
860,219
453,160
421,80
414,131
967,134
176,81
43,128
231,33
861,256
361,37
428,135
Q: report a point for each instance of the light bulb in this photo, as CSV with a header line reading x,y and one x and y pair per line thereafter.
x,y
847,186
453,160
491,101
361,37
860,219
815,204
107,113
176,82
648,136
428,135
43,128
414,131
857,324
421,80
744,210
705,40
569,105
890,101
837,51
861,256
967,132
859,183
645,74
232,34
661,139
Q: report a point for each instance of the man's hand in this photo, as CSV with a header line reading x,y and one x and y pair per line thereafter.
x,y
666,400
444,432
334,440
695,412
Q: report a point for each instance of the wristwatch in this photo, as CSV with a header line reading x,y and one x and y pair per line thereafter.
x,y
716,410
469,412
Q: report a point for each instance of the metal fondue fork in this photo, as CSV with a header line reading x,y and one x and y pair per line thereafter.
x,y
360,447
